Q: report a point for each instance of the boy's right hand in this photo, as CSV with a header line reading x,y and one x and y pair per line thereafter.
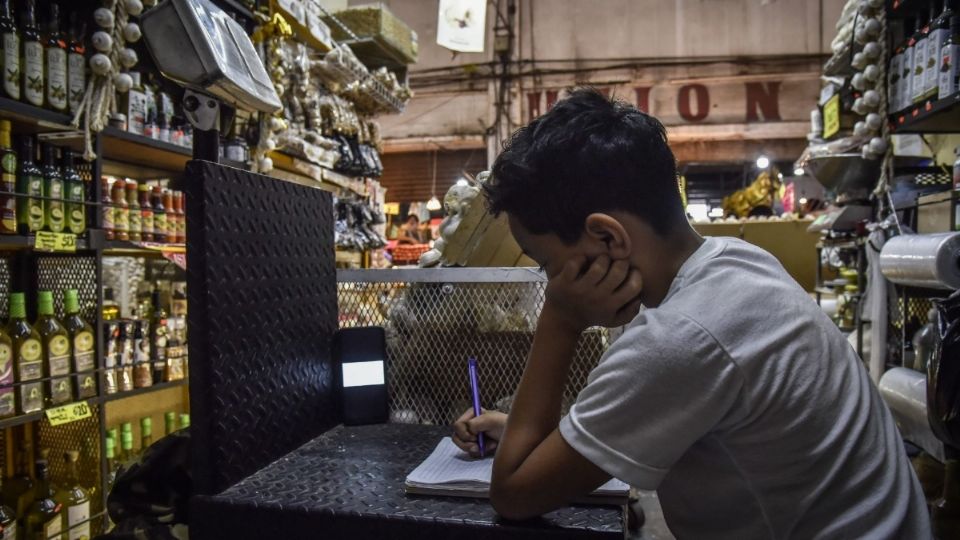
x,y
601,292
466,428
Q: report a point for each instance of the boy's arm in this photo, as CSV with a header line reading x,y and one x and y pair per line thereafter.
x,y
535,470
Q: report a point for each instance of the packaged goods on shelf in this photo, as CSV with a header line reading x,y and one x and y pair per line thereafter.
x,y
377,23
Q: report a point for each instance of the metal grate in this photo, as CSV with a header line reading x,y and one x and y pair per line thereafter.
x,y
437,318
933,178
60,273
4,288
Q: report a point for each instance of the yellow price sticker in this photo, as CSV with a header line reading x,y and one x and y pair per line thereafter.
x,y
51,241
831,117
68,413
391,209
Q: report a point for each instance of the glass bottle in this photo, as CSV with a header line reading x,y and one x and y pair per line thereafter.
x,y
146,212
112,465
8,522
906,64
111,310
18,491
8,181
133,209
81,335
55,215
27,356
146,434
169,422
56,61
11,51
106,208
76,62
127,455
159,215
125,356
56,350
30,211
158,339
121,213
939,33
110,347
75,501
75,188
44,521
142,376
949,62
7,399
178,205
32,63
919,60
172,217
184,421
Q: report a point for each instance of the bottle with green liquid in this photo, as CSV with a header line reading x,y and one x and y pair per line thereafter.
x,y
30,211
55,214
56,350
8,181
27,356
7,402
76,193
81,337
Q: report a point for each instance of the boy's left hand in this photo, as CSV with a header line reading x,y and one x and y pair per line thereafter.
x,y
603,293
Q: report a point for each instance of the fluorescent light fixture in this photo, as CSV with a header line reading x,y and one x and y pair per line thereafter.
x,y
799,171
362,373
763,162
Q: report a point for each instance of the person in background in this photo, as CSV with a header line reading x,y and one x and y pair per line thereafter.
x,y
732,394
412,233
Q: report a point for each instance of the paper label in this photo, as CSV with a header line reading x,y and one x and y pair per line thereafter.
x,y
919,64
8,183
11,65
136,111
7,407
76,80
57,78
53,528
831,117
34,207
33,72
77,517
55,241
68,413
931,76
906,79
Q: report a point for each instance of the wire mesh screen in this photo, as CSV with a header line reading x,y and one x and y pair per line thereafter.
x,y
907,314
433,326
4,287
58,274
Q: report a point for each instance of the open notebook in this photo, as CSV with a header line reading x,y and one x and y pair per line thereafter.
x,y
452,472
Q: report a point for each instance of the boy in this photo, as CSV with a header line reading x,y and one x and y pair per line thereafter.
x,y
731,394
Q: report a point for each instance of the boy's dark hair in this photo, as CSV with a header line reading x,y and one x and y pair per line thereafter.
x,y
587,154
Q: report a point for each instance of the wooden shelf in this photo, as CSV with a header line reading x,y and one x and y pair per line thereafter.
x,y
143,152
16,242
29,119
931,116
141,391
122,247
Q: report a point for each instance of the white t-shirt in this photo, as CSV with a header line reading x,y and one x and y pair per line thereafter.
x,y
742,404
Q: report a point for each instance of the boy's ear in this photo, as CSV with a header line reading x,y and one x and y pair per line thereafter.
x,y
606,230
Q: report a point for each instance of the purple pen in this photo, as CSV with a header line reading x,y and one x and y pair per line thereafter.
x,y
475,390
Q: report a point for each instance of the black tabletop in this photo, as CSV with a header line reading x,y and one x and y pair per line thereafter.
x,y
348,483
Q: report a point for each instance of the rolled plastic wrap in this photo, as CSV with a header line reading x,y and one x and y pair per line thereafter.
x,y
923,260
905,392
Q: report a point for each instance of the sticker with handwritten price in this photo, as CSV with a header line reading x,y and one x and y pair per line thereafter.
x,y
51,241
68,413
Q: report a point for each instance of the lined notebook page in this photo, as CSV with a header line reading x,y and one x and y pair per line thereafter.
x,y
448,465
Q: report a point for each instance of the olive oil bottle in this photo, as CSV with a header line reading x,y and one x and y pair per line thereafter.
x,y
76,193
75,501
81,337
27,356
7,401
55,215
44,520
56,351
30,210
56,62
32,63
11,51
76,63
8,181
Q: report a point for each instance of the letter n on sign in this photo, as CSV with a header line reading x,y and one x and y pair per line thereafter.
x,y
702,97
763,99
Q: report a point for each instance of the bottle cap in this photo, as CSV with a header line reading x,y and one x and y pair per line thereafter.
x,y
126,440
126,427
113,434
111,449
70,301
184,420
45,302
18,306
146,426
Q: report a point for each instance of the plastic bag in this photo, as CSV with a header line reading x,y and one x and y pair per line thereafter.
x,y
943,374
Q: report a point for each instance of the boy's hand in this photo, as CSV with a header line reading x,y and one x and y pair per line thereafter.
x,y
603,293
466,428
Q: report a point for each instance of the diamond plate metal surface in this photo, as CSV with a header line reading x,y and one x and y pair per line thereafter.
x,y
263,310
348,483
433,327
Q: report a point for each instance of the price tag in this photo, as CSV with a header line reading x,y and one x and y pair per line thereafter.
x,y
831,117
68,413
51,241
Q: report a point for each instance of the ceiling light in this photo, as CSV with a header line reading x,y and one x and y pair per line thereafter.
x,y
763,162
433,204
798,171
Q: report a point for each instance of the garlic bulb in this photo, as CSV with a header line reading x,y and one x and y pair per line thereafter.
x,y
131,32
134,7
100,64
103,17
102,41
123,82
128,58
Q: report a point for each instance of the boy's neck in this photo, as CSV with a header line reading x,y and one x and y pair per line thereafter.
x,y
677,249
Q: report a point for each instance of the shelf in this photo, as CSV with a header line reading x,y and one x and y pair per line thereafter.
x,y
129,148
140,391
21,419
122,247
20,242
931,116
310,174
29,119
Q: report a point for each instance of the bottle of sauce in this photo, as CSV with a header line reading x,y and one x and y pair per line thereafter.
x,y
172,217
32,63
29,185
142,376
158,339
146,212
56,62
181,217
159,216
55,215
76,194
121,212
106,208
8,181
11,51
133,210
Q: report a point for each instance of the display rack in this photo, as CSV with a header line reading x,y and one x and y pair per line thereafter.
x,y
931,116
